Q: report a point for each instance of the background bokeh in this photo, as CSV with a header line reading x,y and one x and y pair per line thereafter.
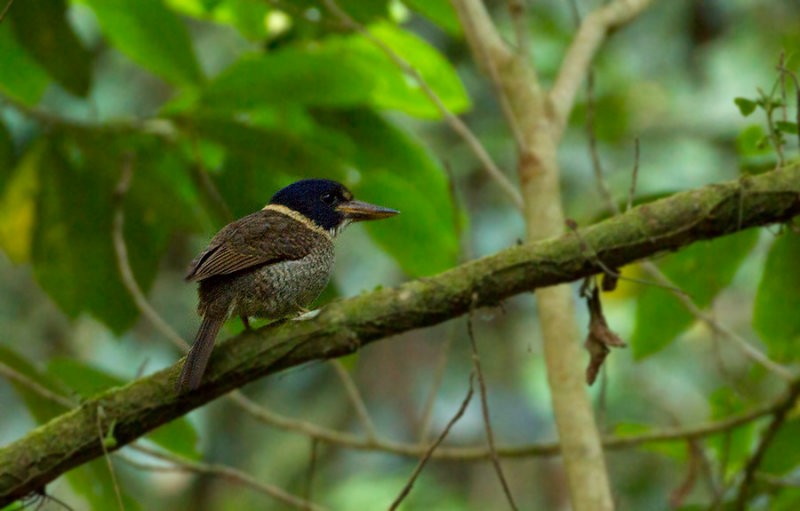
x,y
250,96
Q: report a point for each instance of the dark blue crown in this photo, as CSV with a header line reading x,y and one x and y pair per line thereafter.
x,y
316,199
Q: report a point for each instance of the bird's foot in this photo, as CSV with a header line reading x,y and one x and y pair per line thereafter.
x,y
305,314
246,322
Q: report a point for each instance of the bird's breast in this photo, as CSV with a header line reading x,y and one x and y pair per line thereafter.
x,y
282,289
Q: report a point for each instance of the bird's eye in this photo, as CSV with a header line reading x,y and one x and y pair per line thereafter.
x,y
328,198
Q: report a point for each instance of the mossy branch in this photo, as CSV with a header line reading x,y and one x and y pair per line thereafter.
x,y
344,326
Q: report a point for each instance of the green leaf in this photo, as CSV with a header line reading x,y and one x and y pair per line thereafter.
x,y
21,78
354,70
746,106
151,35
440,12
73,255
292,75
735,445
18,206
702,270
775,315
41,27
260,160
755,153
787,127
398,172
249,17
783,454
178,436
396,91
93,482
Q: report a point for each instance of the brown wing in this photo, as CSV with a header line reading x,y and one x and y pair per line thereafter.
x,y
263,237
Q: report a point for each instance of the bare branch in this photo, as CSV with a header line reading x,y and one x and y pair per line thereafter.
x,y
577,62
487,423
356,400
228,473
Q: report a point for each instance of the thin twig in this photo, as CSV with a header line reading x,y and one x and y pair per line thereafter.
x,y
102,439
578,59
634,174
745,347
355,398
312,469
123,261
778,418
429,452
438,377
201,174
16,376
229,473
455,123
5,10
597,166
793,76
485,410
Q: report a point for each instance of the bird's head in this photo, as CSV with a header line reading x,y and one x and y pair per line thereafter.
x,y
328,204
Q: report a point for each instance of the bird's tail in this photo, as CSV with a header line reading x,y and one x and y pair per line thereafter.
x,y
197,359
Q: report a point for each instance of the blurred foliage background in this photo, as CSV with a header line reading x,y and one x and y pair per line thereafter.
x,y
217,103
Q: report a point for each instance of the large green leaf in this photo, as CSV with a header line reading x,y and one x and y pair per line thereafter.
x,y
151,35
440,12
702,270
398,172
73,255
354,72
294,74
178,436
22,78
775,315
396,91
41,27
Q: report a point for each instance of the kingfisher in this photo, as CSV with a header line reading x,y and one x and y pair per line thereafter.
x,y
270,264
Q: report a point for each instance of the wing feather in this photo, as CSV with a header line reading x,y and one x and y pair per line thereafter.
x,y
264,237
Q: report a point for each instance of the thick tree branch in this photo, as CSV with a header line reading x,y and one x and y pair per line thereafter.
x,y
347,325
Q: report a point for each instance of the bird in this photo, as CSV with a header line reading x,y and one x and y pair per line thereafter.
x,y
270,264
